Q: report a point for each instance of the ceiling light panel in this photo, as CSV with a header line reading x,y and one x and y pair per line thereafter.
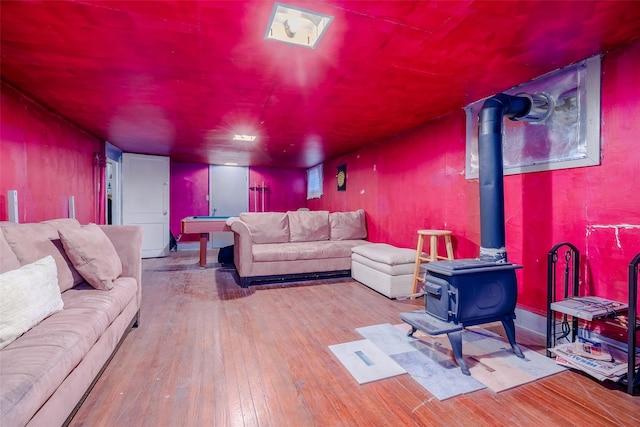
x,y
247,138
297,26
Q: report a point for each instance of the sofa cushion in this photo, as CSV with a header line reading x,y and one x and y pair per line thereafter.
x,y
308,226
8,259
93,255
29,295
388,269
31,242
267,227
348,225
324,249
386,254
33,366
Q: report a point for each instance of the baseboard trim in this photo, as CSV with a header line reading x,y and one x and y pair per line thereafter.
x,y
531,322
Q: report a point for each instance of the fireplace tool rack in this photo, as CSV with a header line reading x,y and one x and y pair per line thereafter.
x,y
563,261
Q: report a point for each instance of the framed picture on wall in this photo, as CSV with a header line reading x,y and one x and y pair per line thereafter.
x,y
342,177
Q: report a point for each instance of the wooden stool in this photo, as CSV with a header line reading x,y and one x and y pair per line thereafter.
x,y
433,252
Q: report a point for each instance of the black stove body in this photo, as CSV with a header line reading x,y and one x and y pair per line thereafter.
x,y
471,291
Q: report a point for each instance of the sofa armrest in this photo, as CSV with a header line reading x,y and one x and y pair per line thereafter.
x,y
242,247
127,239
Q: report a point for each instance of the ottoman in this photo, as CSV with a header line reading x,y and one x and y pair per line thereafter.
x,y
384,268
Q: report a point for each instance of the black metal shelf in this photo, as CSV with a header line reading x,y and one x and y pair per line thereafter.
x,y
565,256
633,374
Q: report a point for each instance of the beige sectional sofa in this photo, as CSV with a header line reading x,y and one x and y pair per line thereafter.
x,y
70,294
273,246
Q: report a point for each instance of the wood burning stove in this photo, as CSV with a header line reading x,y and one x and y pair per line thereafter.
x,y
469,292
463,293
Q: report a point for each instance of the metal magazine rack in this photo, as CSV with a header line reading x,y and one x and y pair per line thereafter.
x,y
563,267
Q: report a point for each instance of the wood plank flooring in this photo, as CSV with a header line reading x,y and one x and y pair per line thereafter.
x,y
209,353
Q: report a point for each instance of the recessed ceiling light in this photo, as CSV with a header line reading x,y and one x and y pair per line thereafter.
x,y
297,26
248,138
231,164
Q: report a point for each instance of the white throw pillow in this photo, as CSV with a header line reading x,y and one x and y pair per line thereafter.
x,y
30,294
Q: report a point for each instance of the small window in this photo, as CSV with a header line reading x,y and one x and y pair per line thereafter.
x,y
314,182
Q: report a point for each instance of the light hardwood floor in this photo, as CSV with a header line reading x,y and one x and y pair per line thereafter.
x,y
209,353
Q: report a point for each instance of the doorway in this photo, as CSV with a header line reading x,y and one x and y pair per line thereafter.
x,y
145,200
228,196
114,193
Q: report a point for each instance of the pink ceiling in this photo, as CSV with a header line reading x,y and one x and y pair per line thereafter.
x,y
179,78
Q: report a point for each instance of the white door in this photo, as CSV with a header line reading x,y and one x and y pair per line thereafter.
x,y
228,196
145,200
114,193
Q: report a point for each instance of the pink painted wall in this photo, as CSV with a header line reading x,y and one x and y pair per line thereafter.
x,y
417,181
46,159
285,189
411,182
189,187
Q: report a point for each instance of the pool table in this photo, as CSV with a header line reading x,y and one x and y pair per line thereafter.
x,y
204,225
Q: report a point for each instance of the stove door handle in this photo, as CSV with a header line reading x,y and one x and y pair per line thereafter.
x,y
434,286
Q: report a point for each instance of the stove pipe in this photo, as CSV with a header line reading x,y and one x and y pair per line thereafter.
x,y
492,224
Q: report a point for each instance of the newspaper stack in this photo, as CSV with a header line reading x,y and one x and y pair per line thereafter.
x,y
589,307
596,360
